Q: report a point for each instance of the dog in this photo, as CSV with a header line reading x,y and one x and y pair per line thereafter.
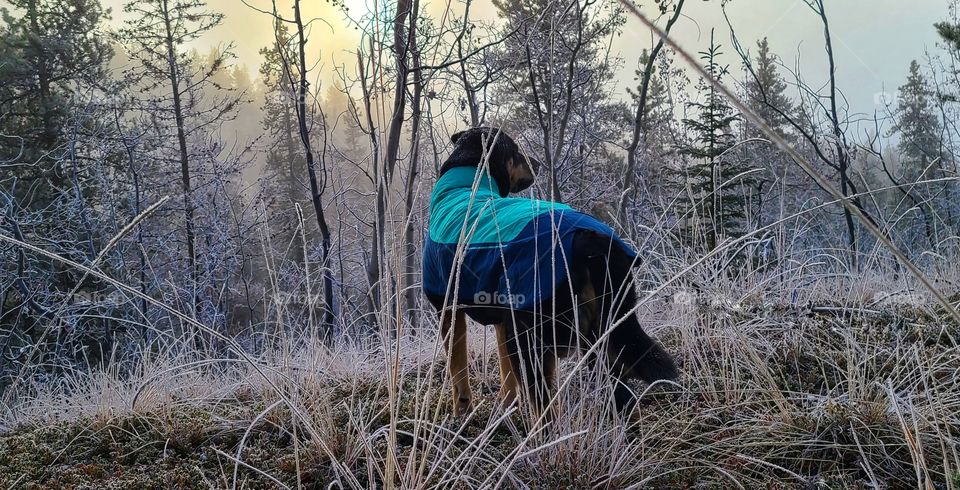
x,y
550,279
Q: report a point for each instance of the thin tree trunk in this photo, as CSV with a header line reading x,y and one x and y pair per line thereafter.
x,y
846,185
315,187
392,149
400,48
410,249
373,265
136,209
468,88
568,100
184,158
49,133
545,125
292,187
628,190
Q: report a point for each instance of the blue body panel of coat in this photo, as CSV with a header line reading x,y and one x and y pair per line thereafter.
x,y
486,250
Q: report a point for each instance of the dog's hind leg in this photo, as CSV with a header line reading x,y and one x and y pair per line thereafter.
x,y
590,324
535,366
508,378
456,346
630,352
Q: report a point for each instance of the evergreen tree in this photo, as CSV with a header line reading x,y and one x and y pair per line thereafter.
x,y
186,102
919,147
712,197
766,94
917,124
946,99
285,168
56,172
949,31
555,84
48,49
657,112
657,130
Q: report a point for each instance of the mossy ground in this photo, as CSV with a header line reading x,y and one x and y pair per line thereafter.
x,y
188,446
180,449
781,398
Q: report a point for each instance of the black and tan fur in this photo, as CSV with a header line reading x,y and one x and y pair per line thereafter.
x,y
600,291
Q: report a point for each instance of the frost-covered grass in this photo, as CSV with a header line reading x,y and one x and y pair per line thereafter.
x,y
789,380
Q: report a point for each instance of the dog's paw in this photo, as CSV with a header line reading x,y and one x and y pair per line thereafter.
x,y
462,405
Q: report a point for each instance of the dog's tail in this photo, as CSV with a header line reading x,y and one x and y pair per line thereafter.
x,y
631,351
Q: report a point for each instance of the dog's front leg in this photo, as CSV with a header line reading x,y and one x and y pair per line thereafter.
x,y
508,379
456,347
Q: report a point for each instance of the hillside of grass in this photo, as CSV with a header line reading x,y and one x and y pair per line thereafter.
x,y
781,388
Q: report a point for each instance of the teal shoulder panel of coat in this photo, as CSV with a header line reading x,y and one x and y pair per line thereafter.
x,y
465,202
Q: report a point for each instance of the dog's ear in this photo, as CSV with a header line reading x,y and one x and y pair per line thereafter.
x,y
534,164
483,145
523,171
470,137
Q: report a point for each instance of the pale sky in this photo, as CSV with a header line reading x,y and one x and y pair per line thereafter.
x,y
874,40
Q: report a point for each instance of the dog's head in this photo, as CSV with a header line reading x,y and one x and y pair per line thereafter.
x,y
511,168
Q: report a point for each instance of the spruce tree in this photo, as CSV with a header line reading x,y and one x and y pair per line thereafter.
x,y
917,124
766,91
657,129
713,194
48,50
657,113
184,99
57,165
919,148
766,94
285,170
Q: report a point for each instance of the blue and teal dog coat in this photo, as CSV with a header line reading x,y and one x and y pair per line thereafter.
x,y
486,250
